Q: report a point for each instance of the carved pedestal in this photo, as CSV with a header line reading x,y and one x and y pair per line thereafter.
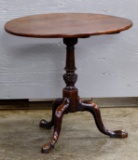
x,y
72,103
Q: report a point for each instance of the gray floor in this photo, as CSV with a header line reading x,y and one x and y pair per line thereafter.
x,y
21,138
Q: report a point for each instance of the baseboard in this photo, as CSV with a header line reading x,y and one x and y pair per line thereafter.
x,y
116,102
26,104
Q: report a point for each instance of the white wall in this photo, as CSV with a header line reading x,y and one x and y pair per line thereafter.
x,y
33,68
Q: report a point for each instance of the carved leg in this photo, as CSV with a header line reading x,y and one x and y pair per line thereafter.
x,y
48,125
57,125
94,109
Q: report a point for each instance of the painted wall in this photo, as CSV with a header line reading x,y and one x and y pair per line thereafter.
x,y
33,68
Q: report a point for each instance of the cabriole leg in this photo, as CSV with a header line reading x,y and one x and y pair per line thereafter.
x,y
46,124
94,109
63,108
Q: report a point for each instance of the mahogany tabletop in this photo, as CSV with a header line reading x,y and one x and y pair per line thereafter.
x,y
66,25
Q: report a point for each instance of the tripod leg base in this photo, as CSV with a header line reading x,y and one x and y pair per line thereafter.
x,y
95,111
50,124
57,125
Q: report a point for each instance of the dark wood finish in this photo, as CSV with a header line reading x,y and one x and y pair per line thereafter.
x,y
70,77
70,27
65,25
57,125
73,102
48,125
95,111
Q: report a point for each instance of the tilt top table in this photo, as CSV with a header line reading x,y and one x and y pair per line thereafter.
x,y
70,27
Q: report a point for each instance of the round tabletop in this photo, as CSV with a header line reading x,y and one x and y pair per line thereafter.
x,y
66,25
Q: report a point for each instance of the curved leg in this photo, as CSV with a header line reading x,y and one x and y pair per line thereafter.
x,y
57,125
48,125
94,109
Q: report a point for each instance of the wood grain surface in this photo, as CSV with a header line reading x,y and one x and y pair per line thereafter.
x,y
66,25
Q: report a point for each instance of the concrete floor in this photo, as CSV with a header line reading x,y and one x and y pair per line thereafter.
x,y
21,138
